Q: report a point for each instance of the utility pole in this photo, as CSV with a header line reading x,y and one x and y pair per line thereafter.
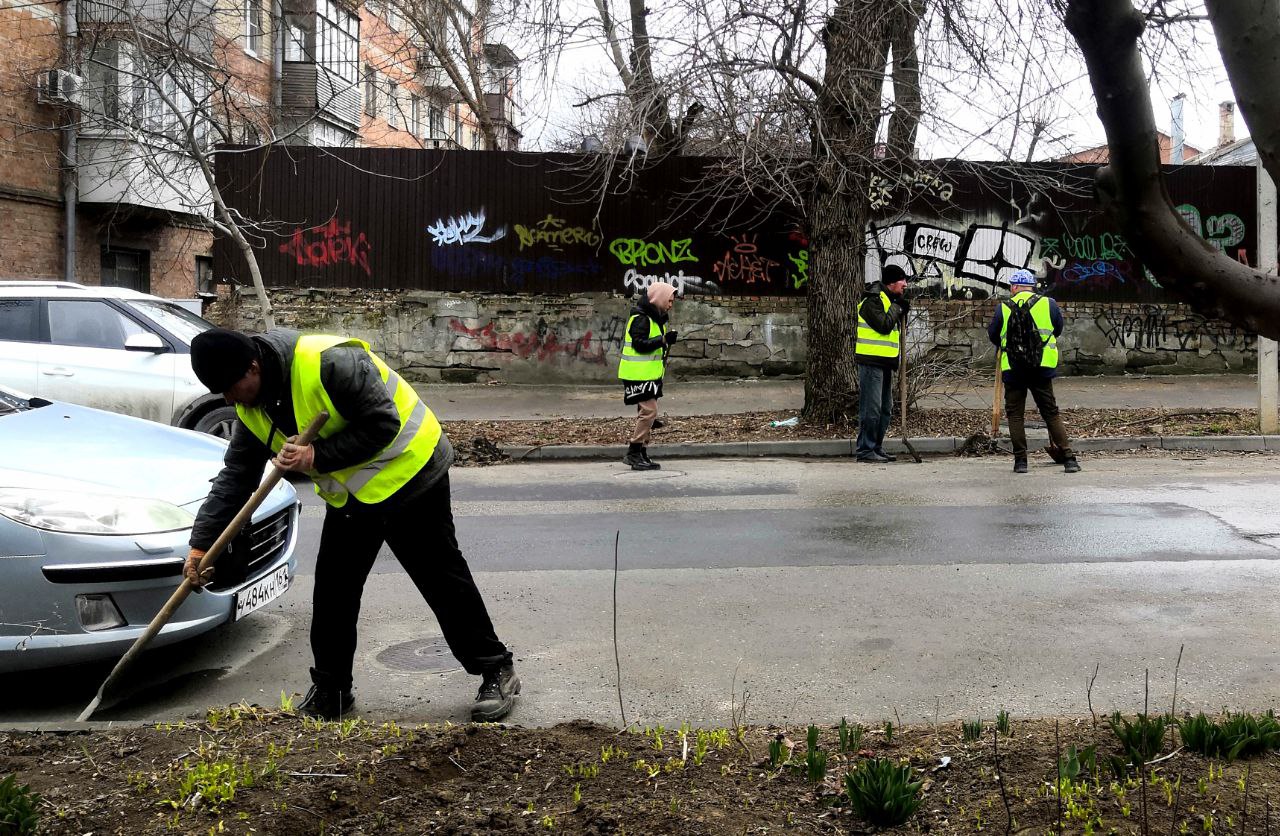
x,y
1268,371
70,171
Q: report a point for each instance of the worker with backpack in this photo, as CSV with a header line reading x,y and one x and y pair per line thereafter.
x,y
1025,329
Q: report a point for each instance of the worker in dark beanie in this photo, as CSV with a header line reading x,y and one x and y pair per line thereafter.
x,y
881,316
381,464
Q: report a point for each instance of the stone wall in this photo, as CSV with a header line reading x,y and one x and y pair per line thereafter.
x,y
432,336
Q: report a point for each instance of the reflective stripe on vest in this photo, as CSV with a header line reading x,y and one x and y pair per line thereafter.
x,y
381,476
635,365
1043,319
871,342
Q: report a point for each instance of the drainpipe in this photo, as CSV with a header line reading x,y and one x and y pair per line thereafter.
x,y
70,171
1176,134
277,57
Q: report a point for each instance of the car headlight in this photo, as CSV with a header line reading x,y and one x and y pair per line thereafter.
x,y
92,513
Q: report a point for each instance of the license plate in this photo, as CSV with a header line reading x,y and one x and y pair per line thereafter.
x,y
263,592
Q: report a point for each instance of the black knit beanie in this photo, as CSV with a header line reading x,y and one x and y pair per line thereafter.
x,y
220,357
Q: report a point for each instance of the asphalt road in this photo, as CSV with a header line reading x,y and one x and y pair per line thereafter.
x,y
823,589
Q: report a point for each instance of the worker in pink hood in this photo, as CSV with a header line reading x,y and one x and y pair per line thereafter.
x,y
644,358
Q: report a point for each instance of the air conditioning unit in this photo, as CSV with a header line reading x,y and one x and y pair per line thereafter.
x,y
59,87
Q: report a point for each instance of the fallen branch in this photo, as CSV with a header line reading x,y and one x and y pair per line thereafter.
x,y
1184,413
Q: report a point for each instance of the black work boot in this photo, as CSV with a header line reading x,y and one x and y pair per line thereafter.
x,y
327,703
1071,465
636,459
644,454
497,695
1020,464
658,423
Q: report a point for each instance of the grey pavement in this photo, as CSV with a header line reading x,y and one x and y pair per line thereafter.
x,y
707,397
824,588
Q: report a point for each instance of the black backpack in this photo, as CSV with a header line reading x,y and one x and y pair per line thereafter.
x,y
1022,343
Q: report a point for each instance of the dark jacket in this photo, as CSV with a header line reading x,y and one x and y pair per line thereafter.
x,y
997,324
872,310
645,312
360,397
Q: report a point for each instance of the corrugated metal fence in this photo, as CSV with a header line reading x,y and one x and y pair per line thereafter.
x,y
514,222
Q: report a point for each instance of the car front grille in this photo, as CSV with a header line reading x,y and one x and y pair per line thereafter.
x,y
256,548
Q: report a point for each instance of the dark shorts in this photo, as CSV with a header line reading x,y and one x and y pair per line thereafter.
x,y
639,391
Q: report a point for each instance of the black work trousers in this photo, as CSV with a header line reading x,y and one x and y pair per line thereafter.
x,y
1015,405
421,535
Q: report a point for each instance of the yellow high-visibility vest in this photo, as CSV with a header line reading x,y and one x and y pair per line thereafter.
x,y
635,365
381,476
871,343
1044,325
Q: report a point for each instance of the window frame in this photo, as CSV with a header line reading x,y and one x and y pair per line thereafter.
x,y
253,29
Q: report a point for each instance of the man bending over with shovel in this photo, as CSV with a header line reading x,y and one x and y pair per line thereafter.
x,y
381,464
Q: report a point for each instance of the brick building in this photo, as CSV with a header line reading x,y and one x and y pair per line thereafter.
x,y
126,88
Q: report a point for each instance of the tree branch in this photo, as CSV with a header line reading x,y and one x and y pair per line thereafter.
x,y
1133,188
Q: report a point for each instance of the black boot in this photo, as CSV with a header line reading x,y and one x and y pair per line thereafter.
x,y
497,695
644,454
327,703
1071,465
636,459
1020,464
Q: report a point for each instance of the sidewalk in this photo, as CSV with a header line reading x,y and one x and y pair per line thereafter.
x,y
692,398
479,402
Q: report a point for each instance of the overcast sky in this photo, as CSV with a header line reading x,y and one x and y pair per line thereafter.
x,y
1194,70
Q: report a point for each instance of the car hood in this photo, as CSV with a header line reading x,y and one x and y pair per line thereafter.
x,y
69,447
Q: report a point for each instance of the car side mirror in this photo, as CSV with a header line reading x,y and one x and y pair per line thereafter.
x,y
145,342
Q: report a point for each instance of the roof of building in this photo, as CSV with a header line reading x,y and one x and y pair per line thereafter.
x,y
1102,153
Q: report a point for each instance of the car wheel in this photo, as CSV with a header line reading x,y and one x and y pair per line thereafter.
x,y
217,421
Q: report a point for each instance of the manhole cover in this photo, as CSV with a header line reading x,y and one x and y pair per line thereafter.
x,y
420,655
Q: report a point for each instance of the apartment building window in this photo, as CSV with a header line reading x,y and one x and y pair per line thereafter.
x,y
370,92
415,115
204,275
326,135
457,126
435,121
393,105
126,268
298,38
339,40
475,140
253,26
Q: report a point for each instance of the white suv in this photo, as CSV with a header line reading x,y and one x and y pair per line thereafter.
x,y
106,347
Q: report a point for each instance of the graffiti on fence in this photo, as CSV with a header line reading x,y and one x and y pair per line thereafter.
x,y
882,191
328,244
637,252
463,229
515,272
744,263
553,232
1159,328
543,344
634,280
968,263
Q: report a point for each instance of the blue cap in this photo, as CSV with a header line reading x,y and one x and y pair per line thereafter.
x,y
1022,277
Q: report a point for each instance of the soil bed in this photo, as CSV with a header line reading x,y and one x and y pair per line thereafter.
x,y
362,777
754,426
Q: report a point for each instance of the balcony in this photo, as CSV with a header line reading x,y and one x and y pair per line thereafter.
x,y
117,169
308,88
187,25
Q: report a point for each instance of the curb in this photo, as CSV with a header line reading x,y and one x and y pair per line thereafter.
x,y
843,448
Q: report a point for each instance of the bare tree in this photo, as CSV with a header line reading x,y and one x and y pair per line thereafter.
x,y
1109,33
160,98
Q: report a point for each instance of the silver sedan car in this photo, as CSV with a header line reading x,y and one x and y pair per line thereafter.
x,y
95,514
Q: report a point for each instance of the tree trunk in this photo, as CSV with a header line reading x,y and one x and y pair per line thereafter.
x,y
905,118
849,108
1248,32
1132,186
